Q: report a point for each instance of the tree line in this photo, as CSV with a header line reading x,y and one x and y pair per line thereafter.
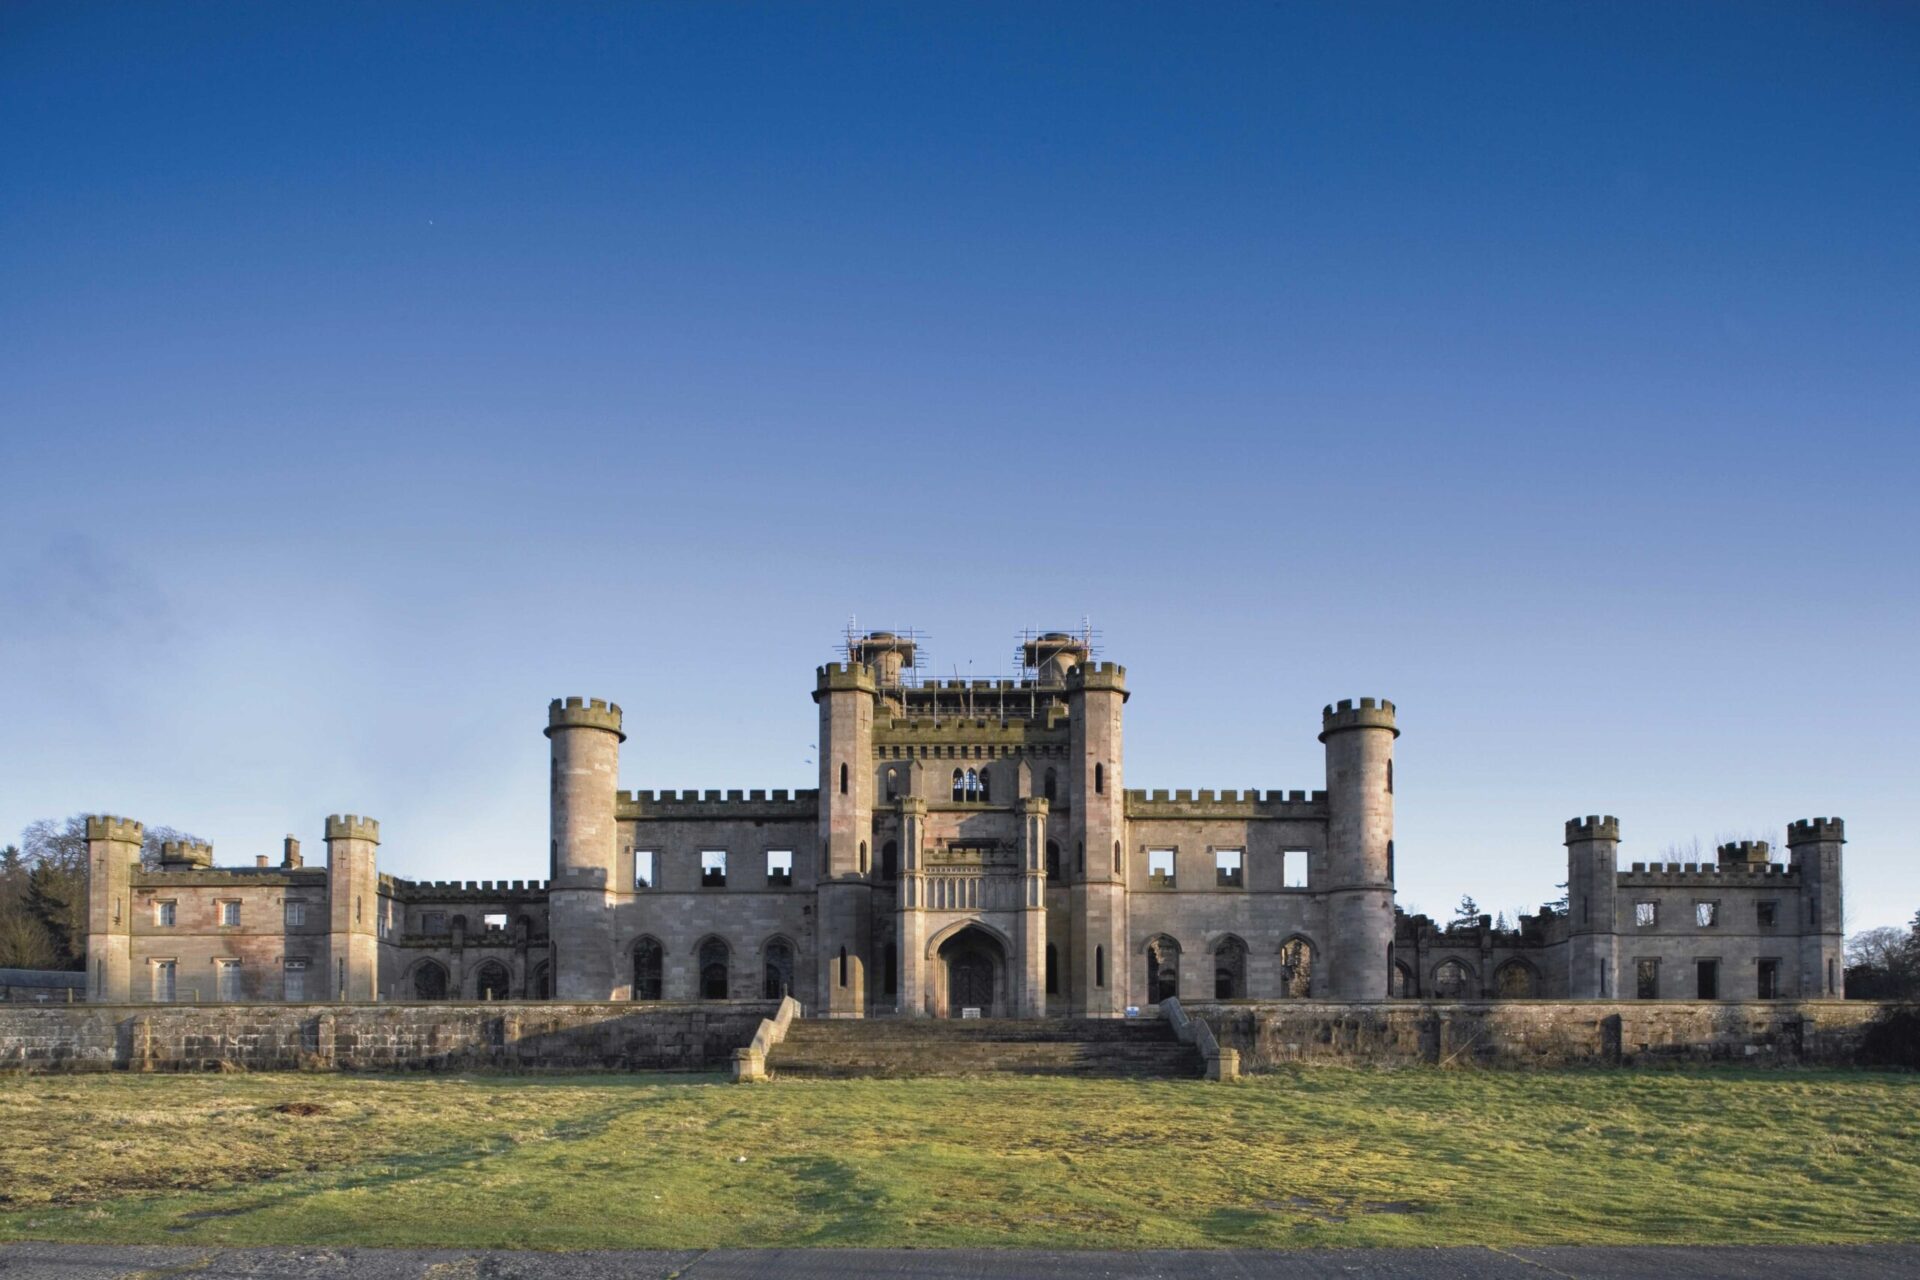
x,y
1884,963
43,892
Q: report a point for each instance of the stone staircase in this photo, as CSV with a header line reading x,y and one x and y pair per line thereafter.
x,y
843,1047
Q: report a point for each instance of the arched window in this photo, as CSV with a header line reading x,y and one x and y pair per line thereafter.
x,y
1514,980
777,970
893,784
972,786
1053,970
540,986
959,785
1116,857
1403,986
1296,968
1100,779
843,779
648,960
714,975
1053,862
890,861
1389,860
1230,969
1389,777
1450,980
1163,969
1051,786
1099,966
491,980
986,794
429,981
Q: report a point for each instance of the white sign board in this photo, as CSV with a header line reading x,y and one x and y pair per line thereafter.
x,y
971,1011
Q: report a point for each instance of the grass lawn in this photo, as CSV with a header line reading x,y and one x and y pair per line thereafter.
x,y
1320,1156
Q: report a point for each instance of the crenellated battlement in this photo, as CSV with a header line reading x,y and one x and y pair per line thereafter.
x,y
1655,874
842,676
351,826
1593,827
1817,831
1743,852
186,853
740,805
976,729
1226,804
1368,713
584,713
107,826
1098,675
460,891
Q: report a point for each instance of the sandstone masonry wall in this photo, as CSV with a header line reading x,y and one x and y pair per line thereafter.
x,y
380,1037
1543,1033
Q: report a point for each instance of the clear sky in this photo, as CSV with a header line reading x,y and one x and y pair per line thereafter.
x,y
370,374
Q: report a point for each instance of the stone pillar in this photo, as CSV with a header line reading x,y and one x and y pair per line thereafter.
x,y
113,851
1593,948
1814,844
1030,998
353,886
585,737
1359,742
912,928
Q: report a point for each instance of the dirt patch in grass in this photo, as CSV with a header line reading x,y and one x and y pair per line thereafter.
x,y
301,1109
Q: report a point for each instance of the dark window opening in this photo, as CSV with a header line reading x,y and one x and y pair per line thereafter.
x,y
1051,786
959,786
1389,860
890,861
429,981
1230,969
1163,970
713,970
843,966
1707,979
890,971
843,779
648,964
1080,858
1766,914
1100,779
1053,970
1099,966
1768,987
1646,979
777,981
1053,862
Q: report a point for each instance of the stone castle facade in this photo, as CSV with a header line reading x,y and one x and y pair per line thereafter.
x,y
972,846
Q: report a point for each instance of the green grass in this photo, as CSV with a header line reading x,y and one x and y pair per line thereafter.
x,y
1322,1156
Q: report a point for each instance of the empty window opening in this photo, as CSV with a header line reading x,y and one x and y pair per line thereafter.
x,y
1706,914
1080,858
959,785
494,920
1646,979
1450,980
1389,860
649,962
843,779
293,981
1230,969
1766,914
1296,969
229,913
1515,981
1051,786
1100,779
1099,966
1116,857
226,975
777,971
1053,970
980,787
893,785
1293,868
429,981
1767,986
1163,970
296,913
779,868
890,972
163,984
1389,777
890,861
863,858
1160,868
713,970
1646,915
646,869
713,869
843,966
1226,869
1706,979
491,981
1053,861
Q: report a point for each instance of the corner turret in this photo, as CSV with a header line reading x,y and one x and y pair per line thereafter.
x,y
584,737
353,904
1359,747
1814,845
1593,859
113,851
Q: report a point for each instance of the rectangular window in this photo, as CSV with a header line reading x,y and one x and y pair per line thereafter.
x,y
1646,979
1160,868
1706,914
296,913
433,922
163,989
1293,868
1226,868
294,982
164,914
1646,914
1766,914
229,914
646,869
495,920
226,975
713,869
1768,987
1707,979
779,868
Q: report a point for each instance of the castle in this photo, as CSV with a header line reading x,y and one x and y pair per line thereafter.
x,y
972,849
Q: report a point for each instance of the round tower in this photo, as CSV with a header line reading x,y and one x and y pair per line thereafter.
x,y
585,738
1359,742
1593,860
353,905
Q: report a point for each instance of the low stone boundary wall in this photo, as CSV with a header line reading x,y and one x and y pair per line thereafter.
x,y
1546,1033
531,1036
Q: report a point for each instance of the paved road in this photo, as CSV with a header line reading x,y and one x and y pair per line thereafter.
x,y
100,1262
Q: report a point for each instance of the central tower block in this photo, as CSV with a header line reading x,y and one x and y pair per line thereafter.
x,y
585,735
1359,741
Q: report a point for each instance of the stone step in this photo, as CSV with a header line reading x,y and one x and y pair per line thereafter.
x,y
967,1047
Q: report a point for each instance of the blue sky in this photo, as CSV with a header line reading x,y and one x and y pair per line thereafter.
x,y
370,374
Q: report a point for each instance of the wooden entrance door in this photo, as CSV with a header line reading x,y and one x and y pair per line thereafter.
x,y
969,983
